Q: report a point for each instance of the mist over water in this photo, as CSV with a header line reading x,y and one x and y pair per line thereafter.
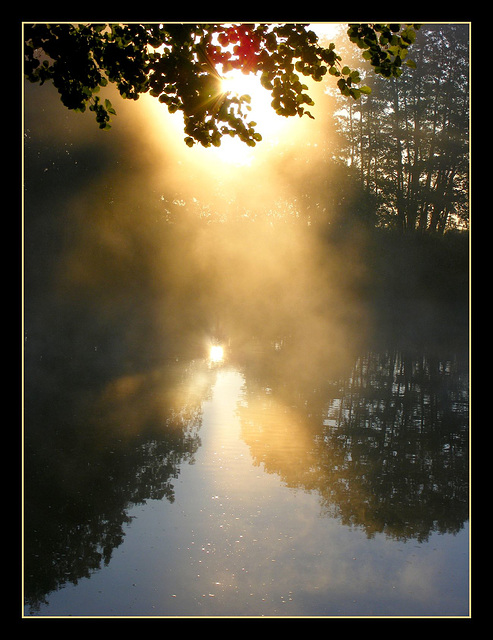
x,y
159,244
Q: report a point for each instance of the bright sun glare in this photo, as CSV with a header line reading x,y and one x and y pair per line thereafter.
x,y
261,111
216,353
269,124
232,151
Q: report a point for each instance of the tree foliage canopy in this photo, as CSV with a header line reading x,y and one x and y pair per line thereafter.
x,y
181,65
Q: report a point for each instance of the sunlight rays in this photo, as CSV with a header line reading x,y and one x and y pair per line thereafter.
x,y
232,152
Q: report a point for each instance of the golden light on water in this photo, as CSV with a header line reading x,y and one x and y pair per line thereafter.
x,y
216,353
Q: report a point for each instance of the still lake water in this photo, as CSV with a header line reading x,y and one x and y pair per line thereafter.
x,y
249,499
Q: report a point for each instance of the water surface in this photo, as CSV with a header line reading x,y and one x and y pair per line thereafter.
x,y
239,498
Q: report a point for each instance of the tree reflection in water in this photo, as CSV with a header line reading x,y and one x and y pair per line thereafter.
x,y
397,441
90,455
386,449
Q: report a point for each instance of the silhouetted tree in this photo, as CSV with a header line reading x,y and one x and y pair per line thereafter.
x,y
410,139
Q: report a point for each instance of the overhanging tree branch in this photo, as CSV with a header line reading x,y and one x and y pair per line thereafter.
x,y
180,65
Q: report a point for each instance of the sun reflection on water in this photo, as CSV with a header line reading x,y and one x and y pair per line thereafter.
x,y
216,354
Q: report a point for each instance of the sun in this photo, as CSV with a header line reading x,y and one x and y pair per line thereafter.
x,y
268,124
262,112
233,153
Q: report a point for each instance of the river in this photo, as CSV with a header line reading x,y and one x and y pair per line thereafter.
x,y
205,491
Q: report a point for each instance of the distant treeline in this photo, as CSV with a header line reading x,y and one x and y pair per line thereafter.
x,y
409,139
400,159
